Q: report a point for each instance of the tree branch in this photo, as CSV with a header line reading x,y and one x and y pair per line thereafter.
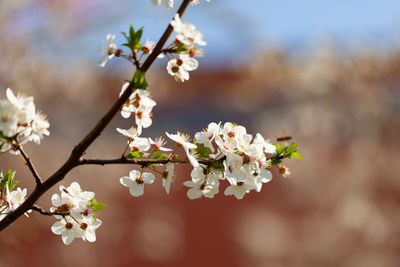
x,y
30,166
74,159
47,213
142,162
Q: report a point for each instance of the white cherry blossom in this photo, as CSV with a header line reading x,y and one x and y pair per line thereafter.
x,y
136,180
109,50
168,176
179,68
201,188
68,228
158,144
238,189
183,140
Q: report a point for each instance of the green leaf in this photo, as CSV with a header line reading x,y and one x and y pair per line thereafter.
x,y
5,138
10,178
204,151
131,32
93,203
139,80
96,206
158,156
135,154
292,148
136,38
126,36
99,207
275,161
218,165
280,149
296,155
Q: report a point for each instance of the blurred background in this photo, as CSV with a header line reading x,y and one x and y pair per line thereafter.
x,y
325,72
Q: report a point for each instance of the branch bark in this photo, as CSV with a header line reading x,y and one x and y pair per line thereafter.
x,y
74,159
30,165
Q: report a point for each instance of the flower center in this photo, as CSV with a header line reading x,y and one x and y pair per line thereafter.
x,y
139,180
68,225
175,69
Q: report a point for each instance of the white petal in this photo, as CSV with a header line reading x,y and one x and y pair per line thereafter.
x,y
148,177
136,190
194,193
67,237
126,181
58,227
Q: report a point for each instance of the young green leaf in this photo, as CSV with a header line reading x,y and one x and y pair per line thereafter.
x,y
296,155
135,154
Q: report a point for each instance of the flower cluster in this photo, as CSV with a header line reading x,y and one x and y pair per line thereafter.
x,y
140,104
20,122
187,37
133,43
75,210
245,161
220,152
10,199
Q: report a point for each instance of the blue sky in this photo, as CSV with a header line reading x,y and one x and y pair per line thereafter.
x,y
236,26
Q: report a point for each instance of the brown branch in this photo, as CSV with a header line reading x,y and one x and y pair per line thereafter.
x,y
141,162
74,159
30,165
47,213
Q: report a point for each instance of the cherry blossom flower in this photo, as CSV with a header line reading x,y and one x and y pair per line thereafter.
x,y
15,198
8,118
108,51
136,180
168,176
139,103
238,189
186,33
182,140
40,127
206,188
158,144
284,171
147,48
75,209
179,68
68,228
88,226
131,133
207,136
18,117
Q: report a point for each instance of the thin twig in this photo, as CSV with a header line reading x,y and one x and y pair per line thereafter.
x,y
47,213
30,165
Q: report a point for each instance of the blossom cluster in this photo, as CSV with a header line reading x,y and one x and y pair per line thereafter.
x,y
20,122
10,199
140,104
181,53
220,152
75,210
185,41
